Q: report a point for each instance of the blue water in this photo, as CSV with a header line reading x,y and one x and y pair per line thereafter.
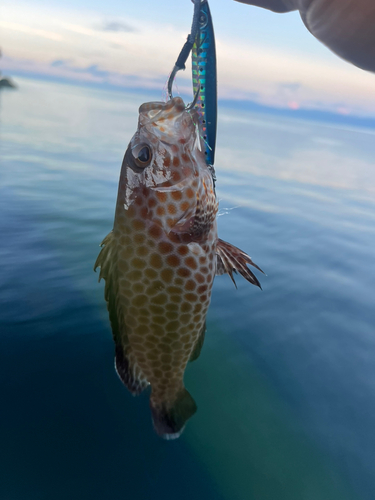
x,y
285,382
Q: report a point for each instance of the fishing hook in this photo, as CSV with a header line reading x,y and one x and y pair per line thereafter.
x,y
186,49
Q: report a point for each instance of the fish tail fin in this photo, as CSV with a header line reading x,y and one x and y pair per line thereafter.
x,y
169,422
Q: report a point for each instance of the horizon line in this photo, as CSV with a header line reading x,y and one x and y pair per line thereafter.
x,y
243,104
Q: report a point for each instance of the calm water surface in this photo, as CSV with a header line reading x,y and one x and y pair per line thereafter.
x,y
285,382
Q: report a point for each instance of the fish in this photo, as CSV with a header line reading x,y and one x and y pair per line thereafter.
x,y
160,260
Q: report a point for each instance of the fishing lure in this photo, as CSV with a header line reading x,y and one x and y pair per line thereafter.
x,y
205,81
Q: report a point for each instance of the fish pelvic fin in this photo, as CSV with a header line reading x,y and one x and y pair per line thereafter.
x,y
231,259
169,422
198,344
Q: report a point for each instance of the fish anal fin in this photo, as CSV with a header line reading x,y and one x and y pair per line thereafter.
x,y
128,370
199,344
169,421
230,259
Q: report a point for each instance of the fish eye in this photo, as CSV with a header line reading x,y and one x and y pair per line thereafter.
x,y
142,155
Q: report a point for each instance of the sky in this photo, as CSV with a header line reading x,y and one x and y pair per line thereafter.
x,y
264,57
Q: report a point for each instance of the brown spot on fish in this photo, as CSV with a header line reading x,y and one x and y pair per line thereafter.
x,y
184,206
199,277
183,250
156,261
139,238
160,211
176,195
138,225
176,177
191,297
138,263
165,247
138,288
150,273
190,285
152,203
173,260
142,251
155,232
176,161
191,262
139,300
184,272
186,307
172,209
162,196
167,275
172,326
176,298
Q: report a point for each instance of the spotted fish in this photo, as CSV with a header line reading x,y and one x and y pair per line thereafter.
x,y
160,260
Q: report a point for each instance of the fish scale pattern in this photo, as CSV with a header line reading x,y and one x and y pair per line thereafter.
x,y
165,286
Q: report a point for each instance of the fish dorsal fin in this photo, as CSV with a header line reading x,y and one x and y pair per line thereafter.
x,y
199,344
230,258
106,261
126,366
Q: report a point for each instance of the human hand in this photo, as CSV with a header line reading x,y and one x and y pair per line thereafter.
x,y
345,26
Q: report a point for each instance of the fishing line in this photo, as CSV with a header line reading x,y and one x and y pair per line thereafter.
x,y
186,49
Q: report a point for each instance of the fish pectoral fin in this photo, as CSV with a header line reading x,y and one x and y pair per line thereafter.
x,y
169,421
231,259
199,344
128,371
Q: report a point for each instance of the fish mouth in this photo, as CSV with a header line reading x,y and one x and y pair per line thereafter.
x,y
156,111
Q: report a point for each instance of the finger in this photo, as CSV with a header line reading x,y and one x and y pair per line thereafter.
x,y
274,5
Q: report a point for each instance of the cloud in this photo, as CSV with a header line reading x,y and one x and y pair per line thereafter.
x,y
116,27
65,43
60,62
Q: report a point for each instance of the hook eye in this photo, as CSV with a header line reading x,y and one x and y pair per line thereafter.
x,y
203,19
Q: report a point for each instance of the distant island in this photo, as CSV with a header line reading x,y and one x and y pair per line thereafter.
x,y
7,83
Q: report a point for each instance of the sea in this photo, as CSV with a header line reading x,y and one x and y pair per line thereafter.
x,y
285,384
